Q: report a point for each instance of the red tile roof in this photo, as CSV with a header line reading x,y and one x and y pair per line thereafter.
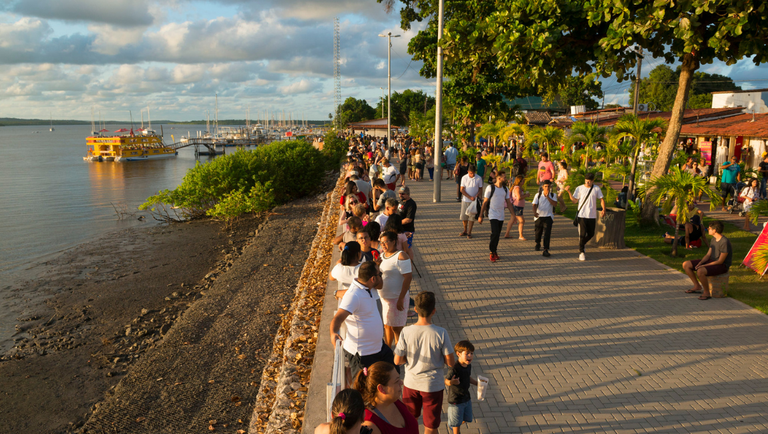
x,y
733,126
690,115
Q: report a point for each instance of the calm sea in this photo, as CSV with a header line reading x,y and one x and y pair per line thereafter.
x,y
51,200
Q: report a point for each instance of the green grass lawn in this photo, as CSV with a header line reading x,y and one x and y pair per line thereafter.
x,y
744,284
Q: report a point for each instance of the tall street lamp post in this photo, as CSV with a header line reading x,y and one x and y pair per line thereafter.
x,y
438,107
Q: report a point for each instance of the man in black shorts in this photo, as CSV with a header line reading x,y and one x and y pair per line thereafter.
x,y
717,261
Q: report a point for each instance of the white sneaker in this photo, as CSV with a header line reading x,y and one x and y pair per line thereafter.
x,y
582,256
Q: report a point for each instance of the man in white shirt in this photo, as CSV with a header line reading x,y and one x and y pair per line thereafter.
x,y
364,342
390,207
389,174
543,206
496,198
471,184
587,196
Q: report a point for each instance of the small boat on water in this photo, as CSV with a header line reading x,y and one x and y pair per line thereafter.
x,y
129,147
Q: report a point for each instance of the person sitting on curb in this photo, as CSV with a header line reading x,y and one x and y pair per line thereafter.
x,y
717,261
693,231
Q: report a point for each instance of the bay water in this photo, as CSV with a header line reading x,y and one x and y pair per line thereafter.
x,y
52,200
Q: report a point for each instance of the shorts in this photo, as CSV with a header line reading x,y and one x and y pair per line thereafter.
x,y
392,316
391,186
518,210
450,167
712,270
357,362
459,413
726,189
430,402
464,205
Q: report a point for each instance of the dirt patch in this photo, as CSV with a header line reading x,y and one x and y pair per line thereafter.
x,y
172,323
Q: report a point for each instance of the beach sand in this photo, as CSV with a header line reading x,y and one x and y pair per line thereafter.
x,y
157,329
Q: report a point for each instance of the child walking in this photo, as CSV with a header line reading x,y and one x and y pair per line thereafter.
x,y
424,349
458,379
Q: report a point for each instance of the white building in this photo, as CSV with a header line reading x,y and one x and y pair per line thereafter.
x,y
754,99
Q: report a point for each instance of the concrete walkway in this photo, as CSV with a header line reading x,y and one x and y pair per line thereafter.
x,y
607,345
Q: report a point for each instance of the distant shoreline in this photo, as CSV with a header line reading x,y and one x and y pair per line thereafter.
x,y
14,122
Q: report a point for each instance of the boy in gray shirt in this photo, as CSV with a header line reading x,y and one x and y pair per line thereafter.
x,y
717,261
424,349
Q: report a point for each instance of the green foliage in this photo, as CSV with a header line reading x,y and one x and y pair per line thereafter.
x,y
356,110
403,104
287,170
548,136
236,203
576,90
334,148
660,88
589,134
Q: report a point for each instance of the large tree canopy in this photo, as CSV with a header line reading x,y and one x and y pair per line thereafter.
x,y
577,90
405,103
356,110
660,88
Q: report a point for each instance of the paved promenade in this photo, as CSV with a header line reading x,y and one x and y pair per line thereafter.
x,y
607,345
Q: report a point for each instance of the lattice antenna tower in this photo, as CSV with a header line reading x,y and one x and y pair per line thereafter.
x,y
337,72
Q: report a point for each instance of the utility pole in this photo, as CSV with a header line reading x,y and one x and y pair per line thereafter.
x,y
637,81
389,37
438,108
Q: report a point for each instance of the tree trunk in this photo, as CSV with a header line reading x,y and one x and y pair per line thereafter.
x,y
631,191
690,64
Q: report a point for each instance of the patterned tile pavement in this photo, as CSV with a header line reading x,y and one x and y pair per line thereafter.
x,y
608,345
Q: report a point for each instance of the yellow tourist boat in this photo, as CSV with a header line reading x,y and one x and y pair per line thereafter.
x,y
131,147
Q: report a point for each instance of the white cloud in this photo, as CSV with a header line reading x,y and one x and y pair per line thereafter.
x,y
303,86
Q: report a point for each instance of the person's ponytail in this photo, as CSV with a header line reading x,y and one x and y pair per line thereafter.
x,y
347,410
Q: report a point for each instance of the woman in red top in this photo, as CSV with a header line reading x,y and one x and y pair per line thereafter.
x,y
381,387
352,189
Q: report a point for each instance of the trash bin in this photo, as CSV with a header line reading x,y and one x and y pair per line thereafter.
x,y
609,230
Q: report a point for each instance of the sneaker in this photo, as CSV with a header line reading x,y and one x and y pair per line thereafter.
x,y
493,257
582,256
458,199
546,254
537,248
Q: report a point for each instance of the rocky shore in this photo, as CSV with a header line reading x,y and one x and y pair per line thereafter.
x,y
155,330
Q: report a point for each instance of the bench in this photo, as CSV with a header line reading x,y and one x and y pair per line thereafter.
x,y
718,285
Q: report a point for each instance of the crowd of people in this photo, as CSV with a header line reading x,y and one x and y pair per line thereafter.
x,y
374,274
377,217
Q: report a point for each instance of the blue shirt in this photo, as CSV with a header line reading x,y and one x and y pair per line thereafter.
x,y
729,173
450,155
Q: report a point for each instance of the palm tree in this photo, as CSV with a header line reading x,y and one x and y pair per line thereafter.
x,y
547,136
679,188
630,127
514,131
492,131
589,134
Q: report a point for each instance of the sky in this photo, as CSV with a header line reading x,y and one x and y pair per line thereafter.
x,y
65,58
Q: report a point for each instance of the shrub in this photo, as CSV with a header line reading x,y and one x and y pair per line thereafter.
x,y
334,149
243,182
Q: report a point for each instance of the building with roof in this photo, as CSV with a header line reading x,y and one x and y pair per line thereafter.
x,y
754,100
373,127
742,135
